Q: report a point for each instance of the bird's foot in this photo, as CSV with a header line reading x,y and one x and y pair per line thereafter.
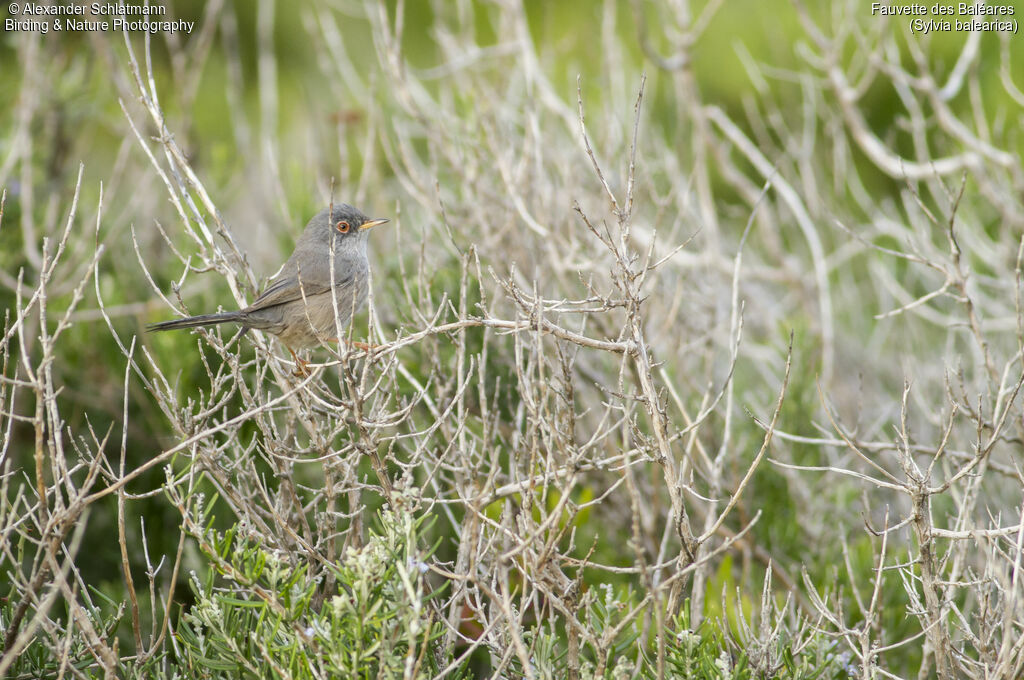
x,y
301,366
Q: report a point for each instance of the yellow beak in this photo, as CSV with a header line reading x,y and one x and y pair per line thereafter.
x,y
372,223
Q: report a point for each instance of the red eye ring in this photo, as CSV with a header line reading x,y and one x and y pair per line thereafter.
x,y
343,226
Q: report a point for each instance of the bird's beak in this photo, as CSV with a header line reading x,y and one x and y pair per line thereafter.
x,y
372,223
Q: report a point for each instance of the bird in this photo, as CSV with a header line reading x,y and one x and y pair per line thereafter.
x,y
299,306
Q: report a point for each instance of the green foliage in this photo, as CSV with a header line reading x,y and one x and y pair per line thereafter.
x,y
707,654
257,615
37,660
371,617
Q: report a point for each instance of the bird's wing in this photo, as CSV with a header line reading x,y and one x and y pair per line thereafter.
x,y
289,290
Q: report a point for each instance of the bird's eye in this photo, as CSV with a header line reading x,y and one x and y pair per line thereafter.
x,y
343,226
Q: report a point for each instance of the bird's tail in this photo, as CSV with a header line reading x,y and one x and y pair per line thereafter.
x,y
195,321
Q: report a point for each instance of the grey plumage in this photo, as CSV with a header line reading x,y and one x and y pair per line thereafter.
x,y
299,307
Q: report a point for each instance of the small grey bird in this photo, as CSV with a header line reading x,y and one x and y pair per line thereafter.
x,y
299,307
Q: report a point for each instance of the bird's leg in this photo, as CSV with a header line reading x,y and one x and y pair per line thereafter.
x,y
301,367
